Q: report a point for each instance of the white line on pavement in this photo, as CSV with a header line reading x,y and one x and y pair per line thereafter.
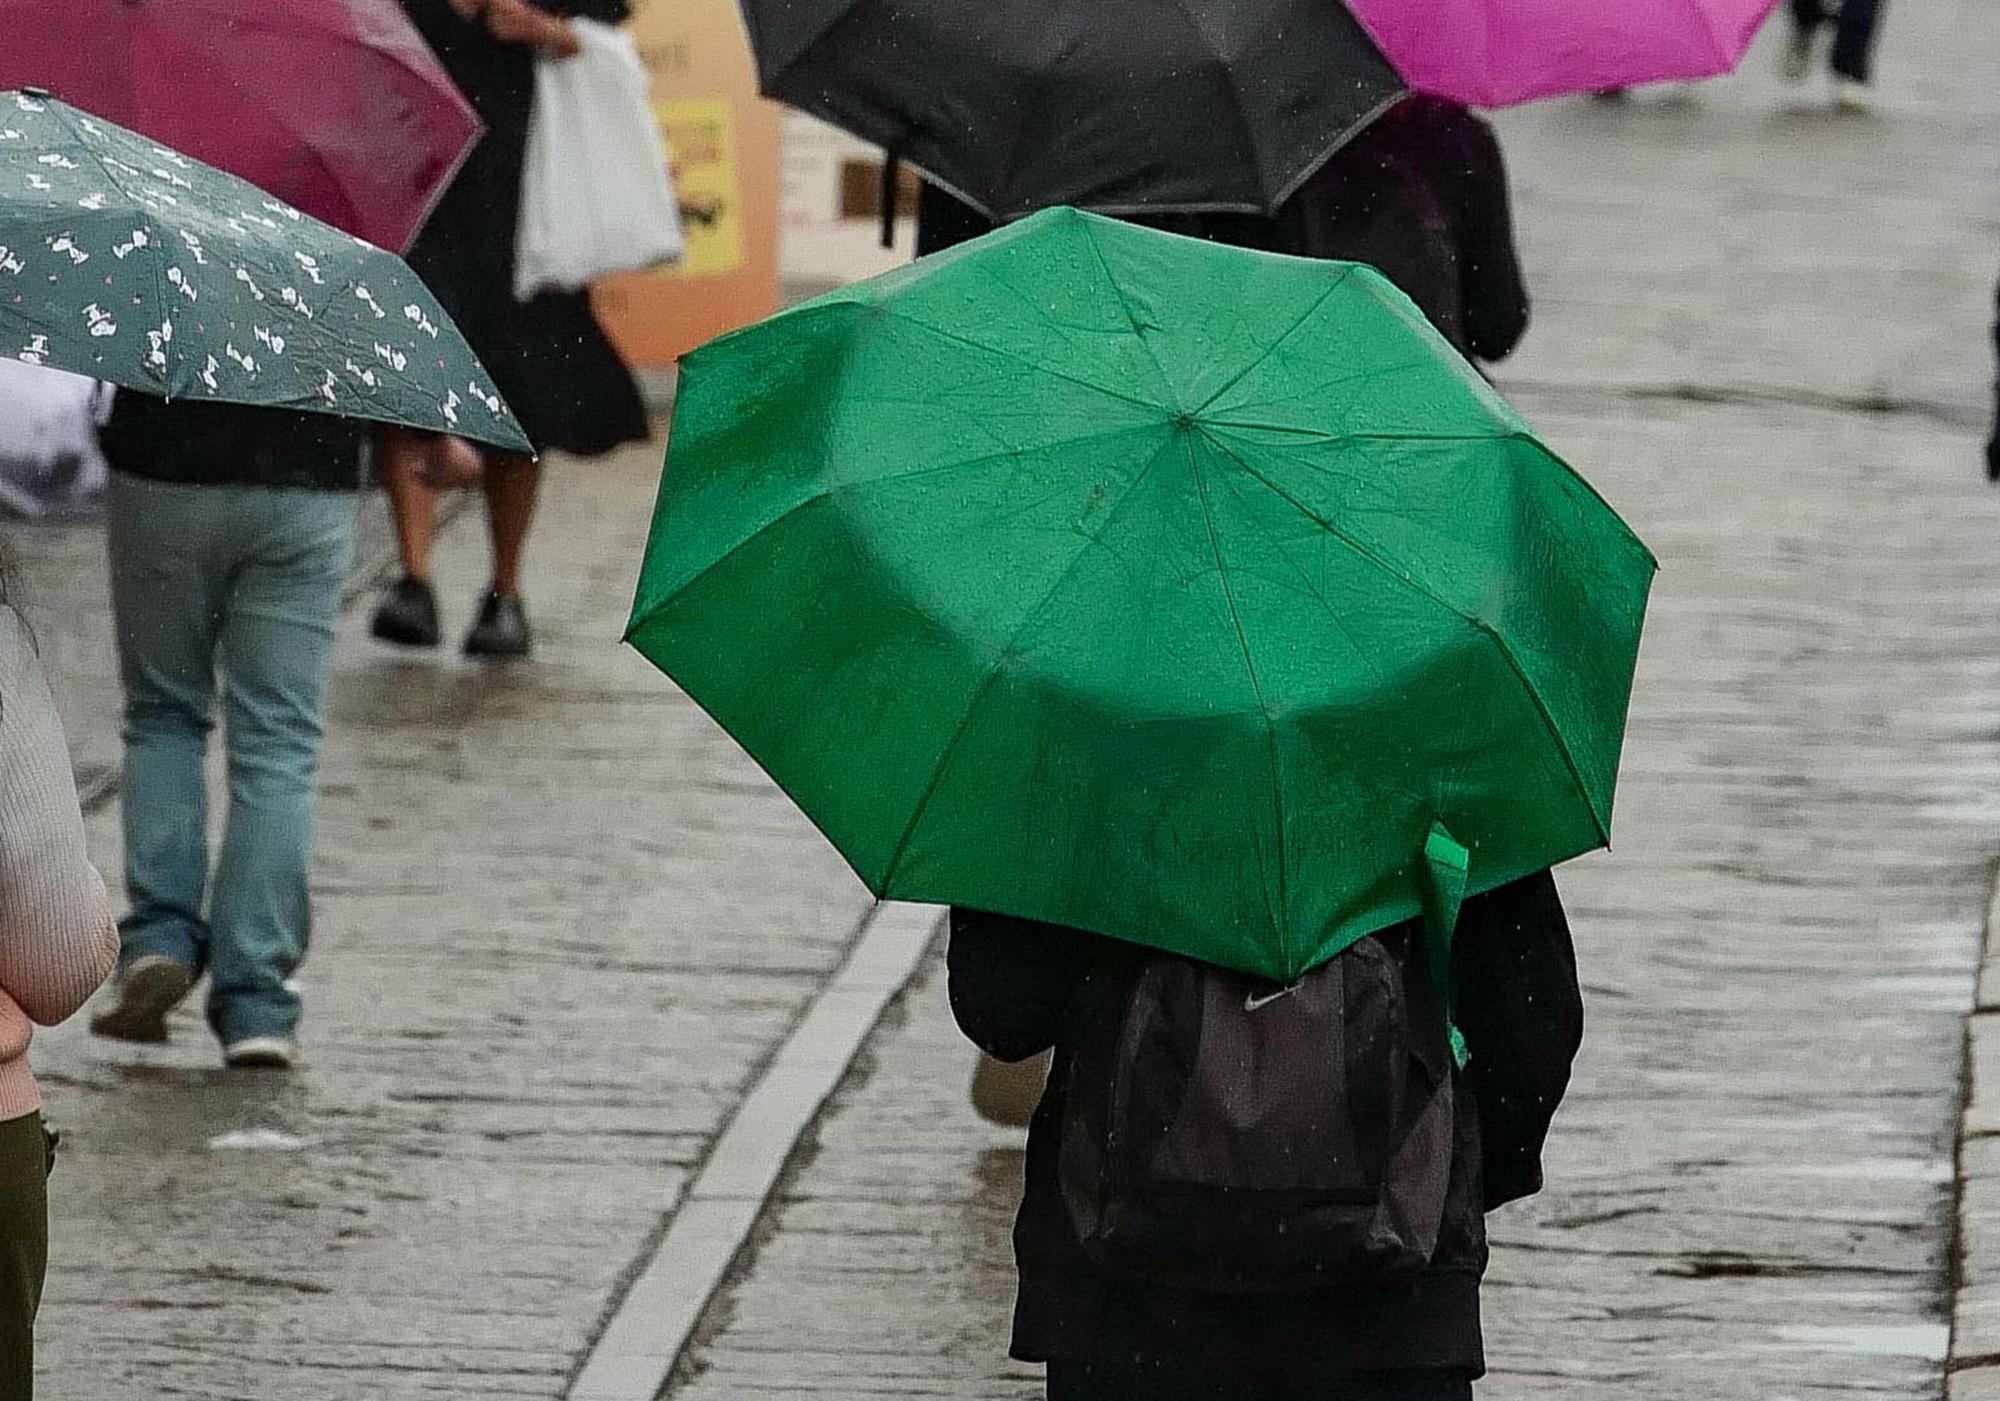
x,y
633,1357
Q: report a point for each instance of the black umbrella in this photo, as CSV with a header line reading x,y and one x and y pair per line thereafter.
x,y
1116,105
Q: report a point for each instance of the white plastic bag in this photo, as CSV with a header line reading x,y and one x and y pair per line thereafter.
x,y
596,193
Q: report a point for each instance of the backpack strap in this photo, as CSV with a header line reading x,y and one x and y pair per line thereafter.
x,y
1446,862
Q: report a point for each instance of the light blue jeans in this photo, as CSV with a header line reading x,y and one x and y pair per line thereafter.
x,y
240,584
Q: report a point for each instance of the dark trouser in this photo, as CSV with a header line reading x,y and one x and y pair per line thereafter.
x,y
1139,1379
1854,32
24,1250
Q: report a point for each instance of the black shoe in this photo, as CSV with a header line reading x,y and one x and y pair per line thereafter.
x,y
408,617
147,989
502,629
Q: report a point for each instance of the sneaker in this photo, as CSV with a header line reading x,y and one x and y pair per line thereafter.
x,y
502,629
408,617
1795,63
1850,96
145,992
261,1053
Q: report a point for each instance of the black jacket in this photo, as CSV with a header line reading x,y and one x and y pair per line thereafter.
x,y
1422,195
547,356
202,443
1018,988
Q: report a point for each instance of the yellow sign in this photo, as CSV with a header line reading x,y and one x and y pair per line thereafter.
x,y
701,139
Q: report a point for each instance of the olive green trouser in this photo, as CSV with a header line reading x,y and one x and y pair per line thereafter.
x,y
24,1250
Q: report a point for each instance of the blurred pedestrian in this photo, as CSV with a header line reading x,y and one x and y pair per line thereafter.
x,y
1020,989
548,356
1852,58
50,464
231,536
1993,439
57,942
1422,195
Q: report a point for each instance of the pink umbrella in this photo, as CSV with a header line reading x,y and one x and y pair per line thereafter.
x,y
335,105
1494,53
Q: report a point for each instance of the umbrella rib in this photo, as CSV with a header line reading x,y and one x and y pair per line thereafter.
x,y
161,303
1337,439
1036,365
1272,349
1368,119
1028,620
1245,128
1281,921
1017,149
1090,237
767,82
1514,435
1479,625
1332,612
400,61
833,489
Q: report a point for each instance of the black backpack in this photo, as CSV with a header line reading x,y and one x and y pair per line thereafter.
x,y
1225,1134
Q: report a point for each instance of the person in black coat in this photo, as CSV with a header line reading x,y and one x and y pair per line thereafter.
x,y
1421,194
1019,988
230,537
548,357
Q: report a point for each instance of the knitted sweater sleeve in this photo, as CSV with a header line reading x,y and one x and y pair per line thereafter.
x,y
57,938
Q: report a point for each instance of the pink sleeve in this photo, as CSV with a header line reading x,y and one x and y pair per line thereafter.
x,y
57,938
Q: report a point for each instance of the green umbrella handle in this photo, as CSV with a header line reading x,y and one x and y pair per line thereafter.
x,y
1446,862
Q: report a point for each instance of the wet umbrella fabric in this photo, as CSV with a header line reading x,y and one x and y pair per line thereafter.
x,y
127,261
335,106
1494,53
1173,591
1115,105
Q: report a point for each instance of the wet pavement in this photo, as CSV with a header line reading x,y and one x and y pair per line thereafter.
x,y
562,922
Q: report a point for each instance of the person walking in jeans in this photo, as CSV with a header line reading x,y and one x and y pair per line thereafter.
x,y
231,535
1854,23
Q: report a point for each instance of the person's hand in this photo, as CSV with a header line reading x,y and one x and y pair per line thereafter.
x,y
517,22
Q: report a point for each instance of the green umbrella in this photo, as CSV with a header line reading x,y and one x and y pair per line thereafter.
x,y
129,262
1172,591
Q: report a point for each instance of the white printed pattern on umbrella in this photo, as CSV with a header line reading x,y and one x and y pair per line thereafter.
x,y
350,291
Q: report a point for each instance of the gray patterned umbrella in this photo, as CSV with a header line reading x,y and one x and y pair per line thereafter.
x,y
127,261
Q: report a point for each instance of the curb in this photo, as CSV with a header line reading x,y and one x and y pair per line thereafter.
x,y
644,1337
1972,1362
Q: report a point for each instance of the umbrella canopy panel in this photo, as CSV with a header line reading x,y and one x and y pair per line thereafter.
x,y
1115,105
127,261
336,106
1125,581
1494,53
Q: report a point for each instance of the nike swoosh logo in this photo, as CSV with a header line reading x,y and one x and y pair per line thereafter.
x,y
1253,1002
